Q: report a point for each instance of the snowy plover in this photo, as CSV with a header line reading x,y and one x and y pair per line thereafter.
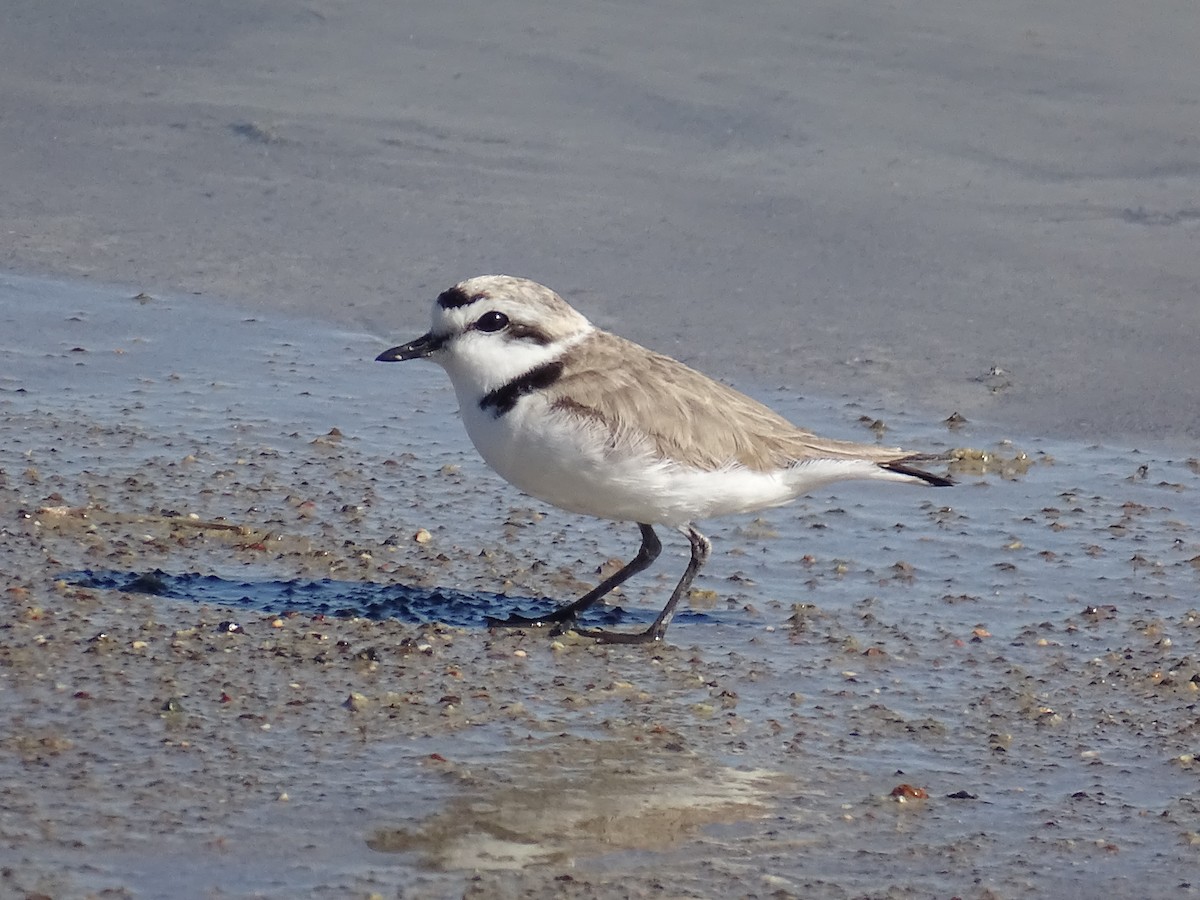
x,y
596,424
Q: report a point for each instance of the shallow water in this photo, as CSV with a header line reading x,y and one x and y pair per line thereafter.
x,y
1025,646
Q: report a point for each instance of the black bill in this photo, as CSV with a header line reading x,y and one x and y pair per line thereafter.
x,y
422,347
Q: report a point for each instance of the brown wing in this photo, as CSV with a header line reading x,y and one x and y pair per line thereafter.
x,y
699,422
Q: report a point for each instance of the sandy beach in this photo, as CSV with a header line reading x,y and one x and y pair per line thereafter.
x,y
245,570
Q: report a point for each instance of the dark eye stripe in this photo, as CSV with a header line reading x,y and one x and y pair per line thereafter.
x,y
529,333
494,321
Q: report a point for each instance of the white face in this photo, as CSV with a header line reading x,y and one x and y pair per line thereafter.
x,y
482,350
489,330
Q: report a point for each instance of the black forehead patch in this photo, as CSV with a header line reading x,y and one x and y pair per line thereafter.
x,y
456,297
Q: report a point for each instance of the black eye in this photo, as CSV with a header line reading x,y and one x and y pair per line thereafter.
x,y
492,321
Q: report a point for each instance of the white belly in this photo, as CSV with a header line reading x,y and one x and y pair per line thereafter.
x,y
571,463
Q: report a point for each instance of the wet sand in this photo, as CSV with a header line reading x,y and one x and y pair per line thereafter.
x,y
245,571
243,650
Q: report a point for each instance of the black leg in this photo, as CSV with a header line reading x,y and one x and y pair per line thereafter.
x,y
565,615
701,547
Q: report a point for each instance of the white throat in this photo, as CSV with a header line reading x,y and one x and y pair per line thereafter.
x,y
478,364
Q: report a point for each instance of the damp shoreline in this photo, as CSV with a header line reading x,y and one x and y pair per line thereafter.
x,y
863,683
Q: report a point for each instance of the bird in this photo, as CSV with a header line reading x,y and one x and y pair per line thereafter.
x,y
598,425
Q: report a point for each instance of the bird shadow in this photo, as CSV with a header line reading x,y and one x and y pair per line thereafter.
x,y
349,599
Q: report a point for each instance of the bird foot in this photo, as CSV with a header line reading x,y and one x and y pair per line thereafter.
x,y
651,635
560,620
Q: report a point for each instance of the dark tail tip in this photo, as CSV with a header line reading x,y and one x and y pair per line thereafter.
x,y
928,477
